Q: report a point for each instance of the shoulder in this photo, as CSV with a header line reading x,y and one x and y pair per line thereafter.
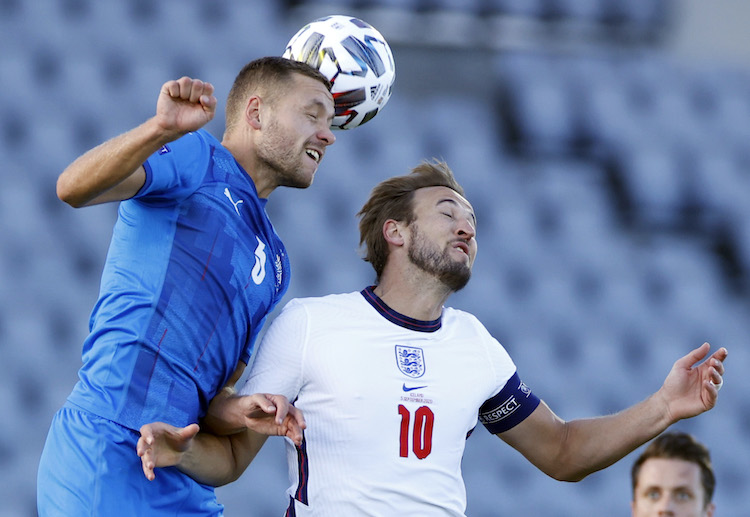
x,y
457,317
205,137
305,316
323,303
332,308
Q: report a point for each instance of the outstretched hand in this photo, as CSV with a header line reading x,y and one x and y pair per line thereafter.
x,y
263,413
185,105
692,388
162,445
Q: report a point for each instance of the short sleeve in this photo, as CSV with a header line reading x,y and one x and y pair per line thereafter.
x,y
278,364
176,170
511,406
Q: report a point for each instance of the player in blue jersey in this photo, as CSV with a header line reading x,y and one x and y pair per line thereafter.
x,y
193,269
391,382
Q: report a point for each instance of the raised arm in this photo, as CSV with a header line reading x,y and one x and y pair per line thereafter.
x,y
113,171
569,451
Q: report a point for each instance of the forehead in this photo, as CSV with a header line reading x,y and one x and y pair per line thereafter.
x,y
669,473
433,196
308,91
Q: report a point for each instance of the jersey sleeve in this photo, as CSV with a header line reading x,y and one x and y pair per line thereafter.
x,y
512,401
277,366
509,407
176,170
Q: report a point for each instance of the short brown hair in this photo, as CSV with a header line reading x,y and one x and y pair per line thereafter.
x,y
679,446
268,77
392,199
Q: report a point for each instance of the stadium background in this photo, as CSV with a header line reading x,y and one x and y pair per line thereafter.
x,y
603,145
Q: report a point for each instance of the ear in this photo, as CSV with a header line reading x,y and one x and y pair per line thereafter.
x,y
710,508
393,232
252,111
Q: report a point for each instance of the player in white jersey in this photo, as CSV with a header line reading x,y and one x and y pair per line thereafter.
x,y
401,387
391,382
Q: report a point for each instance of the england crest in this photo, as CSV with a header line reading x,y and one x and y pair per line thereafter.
x,y
410,360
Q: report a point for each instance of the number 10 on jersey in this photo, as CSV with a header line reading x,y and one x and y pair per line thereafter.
x,y
420,431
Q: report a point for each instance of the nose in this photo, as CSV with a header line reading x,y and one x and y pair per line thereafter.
x,y
327,136
466,229
666,507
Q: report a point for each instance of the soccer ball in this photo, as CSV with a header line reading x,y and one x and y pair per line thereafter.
x,y
355,58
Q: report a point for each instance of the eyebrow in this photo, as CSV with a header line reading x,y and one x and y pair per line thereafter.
x,y
316,103
454,202
320,105
685,488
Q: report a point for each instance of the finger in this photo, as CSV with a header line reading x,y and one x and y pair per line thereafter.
x,y
196,91
207,98
265,402
184,88
147,464
716,377
718,365
293,431
713,389
209,102
179,89
146,439
694,356
282,407
171,88
298,416
189,432
141,447
721,354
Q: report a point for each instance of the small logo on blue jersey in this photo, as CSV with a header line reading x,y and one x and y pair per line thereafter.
x,y
235,205
164,149
259,269
410,360
279,272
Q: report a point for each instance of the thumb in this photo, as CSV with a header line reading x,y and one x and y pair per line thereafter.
x,y
208,102
189,432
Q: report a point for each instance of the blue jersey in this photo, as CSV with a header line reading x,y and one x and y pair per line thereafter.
x,y
193,269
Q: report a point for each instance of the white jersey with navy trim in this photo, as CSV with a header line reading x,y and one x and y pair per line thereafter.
x,y
388,401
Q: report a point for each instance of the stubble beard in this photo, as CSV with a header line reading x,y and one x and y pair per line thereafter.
x,y
454,275
274,154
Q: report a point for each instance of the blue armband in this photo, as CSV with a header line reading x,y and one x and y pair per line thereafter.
x,y
509,407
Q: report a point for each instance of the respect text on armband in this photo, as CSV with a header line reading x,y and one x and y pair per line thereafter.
x,y
504,410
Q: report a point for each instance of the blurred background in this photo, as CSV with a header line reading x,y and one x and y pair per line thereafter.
x,y
603,144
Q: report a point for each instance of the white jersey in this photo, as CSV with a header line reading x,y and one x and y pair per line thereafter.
x,y
388,401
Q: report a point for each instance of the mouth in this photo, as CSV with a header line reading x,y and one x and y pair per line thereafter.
x,y
462,246
314,154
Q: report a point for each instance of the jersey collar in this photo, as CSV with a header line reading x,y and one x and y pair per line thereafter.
x,y
396,317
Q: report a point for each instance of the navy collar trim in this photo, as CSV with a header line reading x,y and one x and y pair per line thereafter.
x,y
396,317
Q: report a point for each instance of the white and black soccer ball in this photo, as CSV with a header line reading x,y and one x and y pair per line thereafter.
x,y
357,60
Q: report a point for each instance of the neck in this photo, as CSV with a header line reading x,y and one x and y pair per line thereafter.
x,y
254,169
419,298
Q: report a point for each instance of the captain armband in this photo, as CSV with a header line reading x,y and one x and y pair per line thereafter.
x,y
509,407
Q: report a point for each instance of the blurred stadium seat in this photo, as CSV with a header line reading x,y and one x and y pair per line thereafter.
x,y
602,175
